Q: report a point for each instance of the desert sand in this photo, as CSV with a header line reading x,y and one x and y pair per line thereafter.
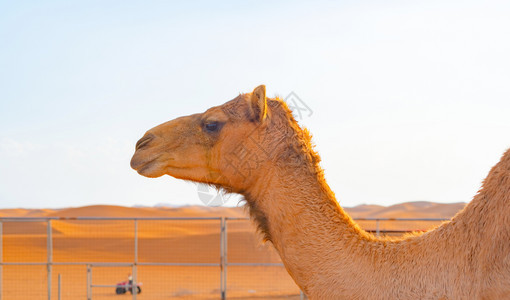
x,y
162,241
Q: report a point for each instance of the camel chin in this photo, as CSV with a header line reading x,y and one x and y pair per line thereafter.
x,y
151,172
148,168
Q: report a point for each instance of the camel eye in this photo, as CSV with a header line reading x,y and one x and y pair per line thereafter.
x,y
211,126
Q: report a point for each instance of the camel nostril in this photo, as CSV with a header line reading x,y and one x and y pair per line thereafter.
x,y
144,141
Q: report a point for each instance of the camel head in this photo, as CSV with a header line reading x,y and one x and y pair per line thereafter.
x,y
225,146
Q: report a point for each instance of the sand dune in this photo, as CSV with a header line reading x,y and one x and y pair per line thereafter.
x,y
164,241
419,209
22,212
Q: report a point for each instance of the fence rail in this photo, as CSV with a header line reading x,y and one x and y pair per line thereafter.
x,y
54,238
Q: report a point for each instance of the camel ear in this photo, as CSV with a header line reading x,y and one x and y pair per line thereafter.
x,y
258,103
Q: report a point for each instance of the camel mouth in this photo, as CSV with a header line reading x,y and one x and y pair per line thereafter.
x,y
144,166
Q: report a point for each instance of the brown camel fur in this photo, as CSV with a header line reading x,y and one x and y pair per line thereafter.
x,y
252,145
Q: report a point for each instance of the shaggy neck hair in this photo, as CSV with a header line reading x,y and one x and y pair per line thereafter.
x,y
292,152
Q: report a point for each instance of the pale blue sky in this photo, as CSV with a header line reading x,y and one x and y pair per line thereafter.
x,y
410,99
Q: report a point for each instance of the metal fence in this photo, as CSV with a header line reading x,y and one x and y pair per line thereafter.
x,y
198,258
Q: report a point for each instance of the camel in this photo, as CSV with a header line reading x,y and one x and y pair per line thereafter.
x,y
253,146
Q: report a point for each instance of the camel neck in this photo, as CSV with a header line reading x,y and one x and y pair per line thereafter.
x,y
298,213
322,247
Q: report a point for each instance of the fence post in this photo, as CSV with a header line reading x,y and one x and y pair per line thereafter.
x,y
89,282
134,285
302,295
49,252
226,257
1,257
377,231
59,286
223,277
